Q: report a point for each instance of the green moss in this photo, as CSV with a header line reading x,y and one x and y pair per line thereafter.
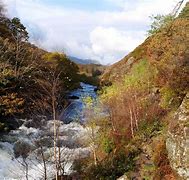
x,y
167,97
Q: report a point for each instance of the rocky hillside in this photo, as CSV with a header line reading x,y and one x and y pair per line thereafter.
x,y
177,141
170,46
146,94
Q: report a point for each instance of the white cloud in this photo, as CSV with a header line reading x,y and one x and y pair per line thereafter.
x,y
103,35
111,43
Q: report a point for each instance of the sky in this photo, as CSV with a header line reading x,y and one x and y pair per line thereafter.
x,y
103,30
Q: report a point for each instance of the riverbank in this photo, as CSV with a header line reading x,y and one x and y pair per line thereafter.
x,y
24,151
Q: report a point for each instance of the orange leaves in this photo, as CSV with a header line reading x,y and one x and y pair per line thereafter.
x,y
11,104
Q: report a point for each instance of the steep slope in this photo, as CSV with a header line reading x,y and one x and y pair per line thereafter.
x,y
27,75
147,94
117,71
169,46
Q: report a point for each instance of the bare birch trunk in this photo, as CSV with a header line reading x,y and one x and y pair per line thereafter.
x,y
94,150
55,133
26,166
44,164
131,119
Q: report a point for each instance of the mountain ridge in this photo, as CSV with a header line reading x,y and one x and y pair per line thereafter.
x,y
83,61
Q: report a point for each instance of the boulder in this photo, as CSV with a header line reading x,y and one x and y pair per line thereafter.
x,y
177,142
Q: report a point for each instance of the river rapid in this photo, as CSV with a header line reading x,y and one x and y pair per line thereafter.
x,y
23,151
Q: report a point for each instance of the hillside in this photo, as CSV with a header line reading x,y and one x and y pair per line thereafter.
x,y
153,48
30,76
83,61
146,93
126,121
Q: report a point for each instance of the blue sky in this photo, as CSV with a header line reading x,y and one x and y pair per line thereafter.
x,y
104,30
90,5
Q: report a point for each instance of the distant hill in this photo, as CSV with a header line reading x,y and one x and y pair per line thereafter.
x,y
89,70
83,61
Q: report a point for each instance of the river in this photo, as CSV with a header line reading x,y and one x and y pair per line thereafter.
x,y
75,111
20,150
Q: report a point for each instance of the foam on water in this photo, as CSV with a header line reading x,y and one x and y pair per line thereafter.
x,y
19,148
71,149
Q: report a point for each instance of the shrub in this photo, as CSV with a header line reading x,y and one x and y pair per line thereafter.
x,y
167,97
161,161
113,167
108,145
159,22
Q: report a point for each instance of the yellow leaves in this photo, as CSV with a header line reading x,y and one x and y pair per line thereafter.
x,y
88,101
6,73
10,104
54,57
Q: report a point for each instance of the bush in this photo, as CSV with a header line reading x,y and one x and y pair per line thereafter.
x,y
161,161
149,129
169,98
159,22
108,145
114,166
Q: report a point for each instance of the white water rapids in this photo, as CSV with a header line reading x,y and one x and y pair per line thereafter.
x,y
71,136
20,150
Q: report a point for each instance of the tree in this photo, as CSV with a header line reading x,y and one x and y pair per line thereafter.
x,y
159,22
1,9
185,12
13,29
18,30
69,69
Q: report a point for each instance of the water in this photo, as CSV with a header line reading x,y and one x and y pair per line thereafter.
x,y
75,111
21,148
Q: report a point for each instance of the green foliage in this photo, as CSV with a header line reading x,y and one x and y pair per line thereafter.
x,y
88,101
107,144
112,167
3,127
167,97
68,70
13,29
6,75
159,22
89,79
90,73
18,30
150,87
150,129
185,12
27,74
141,76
